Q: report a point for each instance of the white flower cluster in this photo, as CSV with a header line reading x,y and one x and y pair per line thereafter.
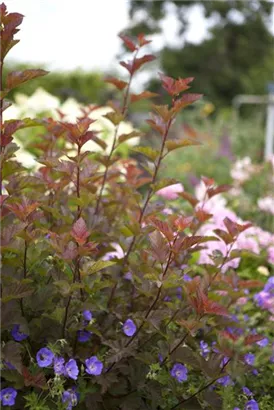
x,y
42,102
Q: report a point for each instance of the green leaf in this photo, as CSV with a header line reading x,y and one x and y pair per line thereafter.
x,y
114,117
63,286
126,137
172,145
14,377
11,353
147,151
163,183
97,266
17,291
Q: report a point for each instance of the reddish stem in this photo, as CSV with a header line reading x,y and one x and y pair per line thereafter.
x,y
124,110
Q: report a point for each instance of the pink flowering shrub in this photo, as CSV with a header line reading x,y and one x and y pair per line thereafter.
x,y
104,305
251,195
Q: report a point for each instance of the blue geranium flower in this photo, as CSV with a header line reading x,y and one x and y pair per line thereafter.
x,y
263,343
58,365
71,369
179,372
129,327
44,357
17,334
94,366
8,396
225,381
204,348
83,335
87,315
70,397
251,405
247,392
249,359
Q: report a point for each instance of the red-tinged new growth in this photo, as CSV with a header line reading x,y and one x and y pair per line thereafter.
x,y
86,249
119,115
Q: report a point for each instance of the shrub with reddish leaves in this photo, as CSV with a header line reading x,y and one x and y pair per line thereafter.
x,y
104,305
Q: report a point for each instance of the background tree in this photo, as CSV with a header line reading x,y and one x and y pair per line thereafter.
x,y
238,56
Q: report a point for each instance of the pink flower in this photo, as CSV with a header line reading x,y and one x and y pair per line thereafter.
x,y
244,242
266,204
270,254
171,191
242,301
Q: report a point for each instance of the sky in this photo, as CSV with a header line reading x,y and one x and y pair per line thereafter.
x,y
83,34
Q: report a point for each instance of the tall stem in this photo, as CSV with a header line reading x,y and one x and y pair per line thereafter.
x,y
1,121
24,274
149,195
124,110
150,192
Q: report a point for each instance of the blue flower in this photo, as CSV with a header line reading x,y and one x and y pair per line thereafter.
x,y
225,381
179,372
17,335
94,366
83,335
187,278
236,408
179,293
87,315
269,286
247,392
204,348
249,359
224,361
70,397
251,405
44,357
58,365
8,365
71,369
263,342
7,396
129,327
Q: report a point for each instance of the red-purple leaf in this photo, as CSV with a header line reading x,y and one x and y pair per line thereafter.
x,y
142,96
79,231
16,78
120,84
142,40
128,42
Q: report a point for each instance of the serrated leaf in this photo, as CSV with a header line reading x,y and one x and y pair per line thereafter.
x,y
63,286
35,380
97,266
16,291
184,101
142,96
11,353
14,377
116,82
114,117
79,231
16,78
147,151
159,246
126,137
172,145
163,183
128,42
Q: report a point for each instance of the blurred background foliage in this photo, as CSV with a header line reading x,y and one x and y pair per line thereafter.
x,y
237,57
